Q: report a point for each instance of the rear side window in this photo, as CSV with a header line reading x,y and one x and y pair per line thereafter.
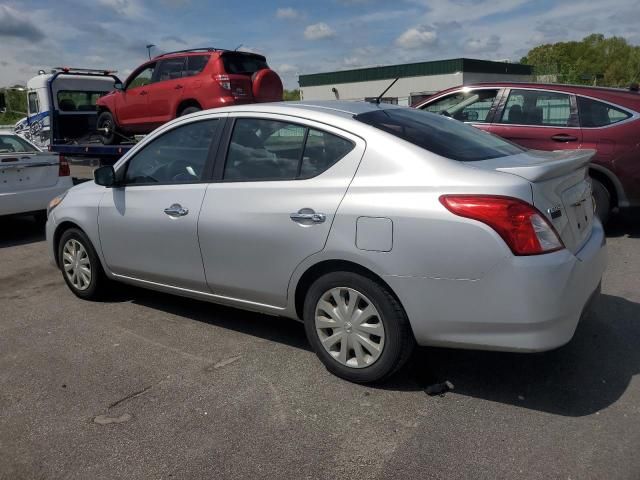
x,y
243,63
170,69
532,107
439,134
195,64
262,150
599,114
178,156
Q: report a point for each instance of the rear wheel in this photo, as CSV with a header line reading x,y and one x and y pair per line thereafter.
x,y
602,199
357,327
80,265
188,110
108,130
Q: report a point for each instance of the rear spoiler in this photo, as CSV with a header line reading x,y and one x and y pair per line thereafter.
x,y
560,162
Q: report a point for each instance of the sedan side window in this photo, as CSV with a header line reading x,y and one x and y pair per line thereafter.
x,y
275,150
178,156
466,106
599,114
532,107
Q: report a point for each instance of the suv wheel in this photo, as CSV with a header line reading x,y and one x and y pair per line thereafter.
x,y
189,110
602,199
80,265
107,128
357,327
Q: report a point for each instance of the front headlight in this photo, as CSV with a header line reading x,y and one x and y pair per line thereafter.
x,y
55,202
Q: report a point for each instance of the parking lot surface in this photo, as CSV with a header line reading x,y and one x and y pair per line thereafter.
x,y
148,385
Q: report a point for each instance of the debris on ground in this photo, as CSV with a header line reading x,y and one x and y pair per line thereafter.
x,y
439,388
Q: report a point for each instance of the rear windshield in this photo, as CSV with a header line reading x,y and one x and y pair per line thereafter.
x,y
243,63
14,144
439,134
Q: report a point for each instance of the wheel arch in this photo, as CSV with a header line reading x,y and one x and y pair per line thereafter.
x,y
189,102
611,183
315,271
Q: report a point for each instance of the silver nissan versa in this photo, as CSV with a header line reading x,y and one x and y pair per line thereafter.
x,y
378,226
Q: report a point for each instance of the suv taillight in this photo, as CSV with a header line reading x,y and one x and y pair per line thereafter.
x,y
63,167
523,228
223,80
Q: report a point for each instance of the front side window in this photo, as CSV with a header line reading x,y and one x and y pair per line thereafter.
x,y
170,69
178,156
438,134
599,114
263,150
14,144
532,107
143,77
34,106
466,106
78,101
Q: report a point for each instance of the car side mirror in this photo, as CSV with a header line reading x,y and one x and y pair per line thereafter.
x,y
105,176
118,86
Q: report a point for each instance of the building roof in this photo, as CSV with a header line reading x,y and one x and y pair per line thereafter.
x,y
438,67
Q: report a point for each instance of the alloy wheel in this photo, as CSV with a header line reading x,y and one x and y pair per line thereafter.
x,y
76,264
349,327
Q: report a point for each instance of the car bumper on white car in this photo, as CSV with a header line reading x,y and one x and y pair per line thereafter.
x,y
26,201
524,304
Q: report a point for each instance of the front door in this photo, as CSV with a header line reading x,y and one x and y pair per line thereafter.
x,y
538,119
167,89
149,226
133,101
279,186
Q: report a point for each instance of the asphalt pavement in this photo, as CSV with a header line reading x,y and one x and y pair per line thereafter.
x,y
147,385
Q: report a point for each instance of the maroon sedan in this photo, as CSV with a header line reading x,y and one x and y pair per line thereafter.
x,y
554,117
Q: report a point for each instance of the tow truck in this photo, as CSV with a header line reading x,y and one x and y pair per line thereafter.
x,y
62,114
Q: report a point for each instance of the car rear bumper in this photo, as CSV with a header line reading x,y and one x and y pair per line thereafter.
x,y
24,201
524,304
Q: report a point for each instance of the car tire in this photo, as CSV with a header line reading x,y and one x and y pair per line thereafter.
x,y
370,349
602,199
188,110
112,135
74,252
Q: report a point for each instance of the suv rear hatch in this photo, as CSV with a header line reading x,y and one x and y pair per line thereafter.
x,y
560,186
249,78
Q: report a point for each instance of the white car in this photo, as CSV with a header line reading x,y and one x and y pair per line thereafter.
x,y
29,177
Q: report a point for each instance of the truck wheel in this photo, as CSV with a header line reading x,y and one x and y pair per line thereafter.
x,y
107,129
602,198
189,110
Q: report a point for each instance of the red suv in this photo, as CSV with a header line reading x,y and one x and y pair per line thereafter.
x,y
554,117
183,82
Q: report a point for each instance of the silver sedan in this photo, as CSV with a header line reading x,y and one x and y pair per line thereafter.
x,y
377,226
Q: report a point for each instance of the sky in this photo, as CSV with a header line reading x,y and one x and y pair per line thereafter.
x,y
297,37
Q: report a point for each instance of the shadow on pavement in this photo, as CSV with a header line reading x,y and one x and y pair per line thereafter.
x,y
626,223
20,230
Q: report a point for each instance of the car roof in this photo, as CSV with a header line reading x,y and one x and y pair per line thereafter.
x,y
340,108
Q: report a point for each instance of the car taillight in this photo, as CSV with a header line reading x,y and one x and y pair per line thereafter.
x,y
224,81
63,167
523,228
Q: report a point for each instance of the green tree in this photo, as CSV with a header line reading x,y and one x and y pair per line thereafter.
x,y
289,95
593,60
15,103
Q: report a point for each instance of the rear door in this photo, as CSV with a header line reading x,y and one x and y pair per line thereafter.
x,y
166,90
149,225
279,183
538,119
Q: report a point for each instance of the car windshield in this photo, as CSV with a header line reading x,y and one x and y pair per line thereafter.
x,y
439,134
15,144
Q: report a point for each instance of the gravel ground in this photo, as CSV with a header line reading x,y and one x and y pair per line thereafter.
x,y
148,385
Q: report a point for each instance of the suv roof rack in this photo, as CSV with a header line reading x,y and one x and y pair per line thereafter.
x,y
189,50
104,71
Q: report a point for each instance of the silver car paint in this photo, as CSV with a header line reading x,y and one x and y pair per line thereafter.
x,y
443,268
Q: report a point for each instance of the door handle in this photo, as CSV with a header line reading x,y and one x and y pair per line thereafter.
x,y
307,215
143,92
178,87
176,210
563,137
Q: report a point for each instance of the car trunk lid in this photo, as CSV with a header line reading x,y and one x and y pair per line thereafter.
x,y
560,186
22,171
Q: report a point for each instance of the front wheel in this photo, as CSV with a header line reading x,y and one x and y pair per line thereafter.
x,y
80,265
357,327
